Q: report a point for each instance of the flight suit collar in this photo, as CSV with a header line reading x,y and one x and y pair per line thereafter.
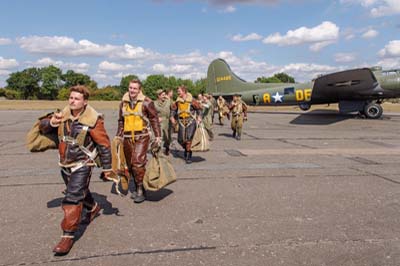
x,y
87,117
189,98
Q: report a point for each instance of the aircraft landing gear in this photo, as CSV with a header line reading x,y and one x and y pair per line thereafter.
x,y
304,106
372,110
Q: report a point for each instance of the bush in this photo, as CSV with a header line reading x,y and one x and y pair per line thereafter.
x,y
106,94
63,94
12,95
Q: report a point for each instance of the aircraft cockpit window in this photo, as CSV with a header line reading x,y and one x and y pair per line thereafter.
x,y
288,91
390,72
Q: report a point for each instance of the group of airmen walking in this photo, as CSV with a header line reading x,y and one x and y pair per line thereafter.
x,y
142,124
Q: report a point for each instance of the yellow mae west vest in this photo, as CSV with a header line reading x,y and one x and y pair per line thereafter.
x,y
184,109
133,118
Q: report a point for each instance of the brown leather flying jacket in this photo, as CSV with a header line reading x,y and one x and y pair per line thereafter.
x,y
148,111
195,106
96,137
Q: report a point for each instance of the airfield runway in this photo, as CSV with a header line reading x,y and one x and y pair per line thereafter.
x,y
299,189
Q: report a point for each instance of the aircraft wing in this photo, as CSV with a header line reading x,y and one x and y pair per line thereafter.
x,y
355,84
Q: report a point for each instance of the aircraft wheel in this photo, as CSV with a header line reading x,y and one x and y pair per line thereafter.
x,y
305,106
373,110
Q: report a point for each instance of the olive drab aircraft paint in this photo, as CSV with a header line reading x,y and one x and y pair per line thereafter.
x,y
356,90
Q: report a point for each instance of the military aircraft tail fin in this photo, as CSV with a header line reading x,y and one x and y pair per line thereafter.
x,y
221,80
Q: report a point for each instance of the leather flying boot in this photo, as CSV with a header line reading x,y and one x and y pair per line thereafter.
x,y
70,223
64,246
166,152
134,193
93,213
140,194
234,134
189,158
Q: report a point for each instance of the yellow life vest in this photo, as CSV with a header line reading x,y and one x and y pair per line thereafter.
x,y
184,109
133,118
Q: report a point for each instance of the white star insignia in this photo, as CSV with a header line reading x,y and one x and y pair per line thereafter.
x,y
277,97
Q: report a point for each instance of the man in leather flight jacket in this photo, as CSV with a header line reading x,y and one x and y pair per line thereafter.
x,y
82,138
137,114
186,111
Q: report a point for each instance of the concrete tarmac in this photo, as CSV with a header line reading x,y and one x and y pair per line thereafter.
x,y
313,188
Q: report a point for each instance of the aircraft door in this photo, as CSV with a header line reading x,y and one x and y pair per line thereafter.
x,y
256,99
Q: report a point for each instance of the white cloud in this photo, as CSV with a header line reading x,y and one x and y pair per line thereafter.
x,y
47,61
365,3
369,34
389,7
66,46
4,72
250,37
61,45
172,69
305,72
344,57
231,2
320,36
8,63
5,41
110,66
228,9
191,65
378,8
389,63
392,49
131,52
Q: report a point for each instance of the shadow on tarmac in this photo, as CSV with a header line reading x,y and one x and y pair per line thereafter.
x,y
106,206
227,135
321,117
155,196
179,154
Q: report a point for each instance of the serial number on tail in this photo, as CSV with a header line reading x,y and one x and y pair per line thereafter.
x,y
224,78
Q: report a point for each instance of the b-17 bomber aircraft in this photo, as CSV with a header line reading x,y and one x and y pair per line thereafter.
x,y
357,90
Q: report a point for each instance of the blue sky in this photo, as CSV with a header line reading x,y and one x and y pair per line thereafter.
x,y
110,39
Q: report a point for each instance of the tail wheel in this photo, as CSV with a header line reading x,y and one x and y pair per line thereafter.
x,y
373,110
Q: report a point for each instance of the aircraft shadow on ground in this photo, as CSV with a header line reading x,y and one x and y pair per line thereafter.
x,y
321,117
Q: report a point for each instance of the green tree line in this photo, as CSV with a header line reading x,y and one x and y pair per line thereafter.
x,y
50,83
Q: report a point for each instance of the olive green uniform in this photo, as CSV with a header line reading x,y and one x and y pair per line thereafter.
x,y
239,113
222,110
164,110
207,117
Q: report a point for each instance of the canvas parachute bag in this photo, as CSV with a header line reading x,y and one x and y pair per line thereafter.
x,y
38,142
120,174
159,173
200,140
